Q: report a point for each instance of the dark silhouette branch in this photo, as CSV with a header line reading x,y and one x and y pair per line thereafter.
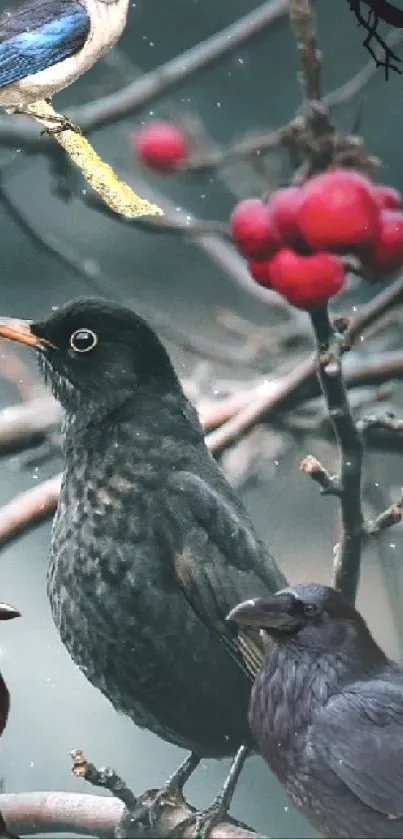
x,y
329,349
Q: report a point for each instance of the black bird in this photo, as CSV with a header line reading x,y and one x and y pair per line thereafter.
x,y
150,546
6,614
327,712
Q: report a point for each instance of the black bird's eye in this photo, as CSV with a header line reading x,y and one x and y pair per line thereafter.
x,y
83,340
310,609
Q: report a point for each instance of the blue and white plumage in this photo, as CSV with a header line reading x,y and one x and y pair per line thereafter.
x,y
46,44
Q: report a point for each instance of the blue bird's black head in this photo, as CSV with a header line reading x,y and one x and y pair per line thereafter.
x,y
309,615
94,353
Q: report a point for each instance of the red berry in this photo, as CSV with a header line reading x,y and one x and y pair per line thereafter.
x,y
388,198
306,281
161,145
386,254
283,206
260,271
338,210
252,228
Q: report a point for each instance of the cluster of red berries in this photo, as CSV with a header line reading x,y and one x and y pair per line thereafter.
x,y
294,243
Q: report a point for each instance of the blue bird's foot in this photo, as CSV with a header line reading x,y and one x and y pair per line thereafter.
x,y
63,124
204,822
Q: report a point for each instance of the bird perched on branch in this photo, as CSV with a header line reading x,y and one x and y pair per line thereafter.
x,y
45,45
150,546
327,712
6,614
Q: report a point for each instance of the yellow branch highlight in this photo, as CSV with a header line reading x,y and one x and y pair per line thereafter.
x,y
115,193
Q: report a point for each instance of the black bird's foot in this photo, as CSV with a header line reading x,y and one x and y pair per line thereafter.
x,y
148,814
204,822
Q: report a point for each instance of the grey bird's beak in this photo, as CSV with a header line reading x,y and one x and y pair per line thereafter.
x,y
265,612
7,613
20,331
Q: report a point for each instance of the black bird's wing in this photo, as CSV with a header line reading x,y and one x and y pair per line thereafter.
x,y
220,563
359,734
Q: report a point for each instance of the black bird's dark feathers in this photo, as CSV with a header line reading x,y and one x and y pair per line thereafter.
x,y
150,546
218,561
327,713
363,732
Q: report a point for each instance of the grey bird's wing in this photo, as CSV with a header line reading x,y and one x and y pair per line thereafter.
x,y
220,563
37,34
359,735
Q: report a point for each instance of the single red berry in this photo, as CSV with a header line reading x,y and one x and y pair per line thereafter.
x,y
253,230
306,281
260,271
161,145
388,198
338,210
283,206
386,254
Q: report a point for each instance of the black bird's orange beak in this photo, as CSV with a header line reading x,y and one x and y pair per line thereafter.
x,y
7,612
20,330
265,612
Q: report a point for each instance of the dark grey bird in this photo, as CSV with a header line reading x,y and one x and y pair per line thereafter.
x,y
150,546
327,712
6,613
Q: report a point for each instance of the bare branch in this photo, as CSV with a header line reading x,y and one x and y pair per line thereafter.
x,y
387,421
329,369
392,515
303,22
28,508
92,815
313,467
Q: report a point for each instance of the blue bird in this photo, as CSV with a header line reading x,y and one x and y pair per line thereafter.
x,y
45,45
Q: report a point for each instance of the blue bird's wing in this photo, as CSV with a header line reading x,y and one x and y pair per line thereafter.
x,y
38,34
219,563
360,737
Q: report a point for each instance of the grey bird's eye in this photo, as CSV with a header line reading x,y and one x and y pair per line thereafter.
x,y
310,609
83,340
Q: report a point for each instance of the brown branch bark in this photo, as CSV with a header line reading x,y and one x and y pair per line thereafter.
x,y
60,812
27,509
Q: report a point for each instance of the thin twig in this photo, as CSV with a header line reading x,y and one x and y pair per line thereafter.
x,y
329,368
385,421
350,89
329,484
303,22
392,515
